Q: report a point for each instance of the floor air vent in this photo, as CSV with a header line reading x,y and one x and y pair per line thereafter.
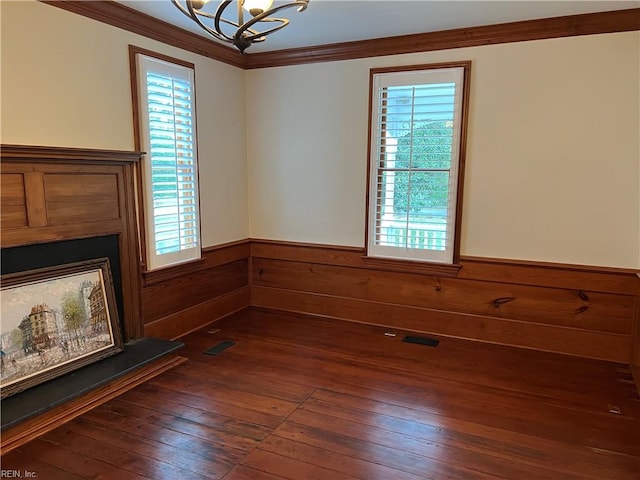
x,y
219,348
430,342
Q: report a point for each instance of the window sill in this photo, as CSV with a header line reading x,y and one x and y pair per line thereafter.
x,y
408,266
167,273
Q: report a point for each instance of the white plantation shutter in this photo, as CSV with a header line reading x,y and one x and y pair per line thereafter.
x,y
415,152
168,131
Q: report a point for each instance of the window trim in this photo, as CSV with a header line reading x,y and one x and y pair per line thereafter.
x,y
140,207
417,265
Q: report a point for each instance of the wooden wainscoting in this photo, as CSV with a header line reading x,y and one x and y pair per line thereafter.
x,y
575,310
178,300
635,355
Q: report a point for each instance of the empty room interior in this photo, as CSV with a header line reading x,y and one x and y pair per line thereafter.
x,y
377,240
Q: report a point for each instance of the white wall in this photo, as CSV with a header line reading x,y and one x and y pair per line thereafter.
x,y
553,162
65,82
553,165
306,149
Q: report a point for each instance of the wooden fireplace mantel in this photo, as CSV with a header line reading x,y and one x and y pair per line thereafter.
x,y
50,194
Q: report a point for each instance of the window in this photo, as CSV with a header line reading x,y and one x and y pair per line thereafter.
x,y
165,102
416,160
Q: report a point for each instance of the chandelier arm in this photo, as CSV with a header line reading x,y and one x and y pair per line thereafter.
x,y
240,11
193,15
218,17
301,4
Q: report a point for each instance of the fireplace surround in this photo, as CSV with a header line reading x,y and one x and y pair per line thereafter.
x,y
60,206
57,202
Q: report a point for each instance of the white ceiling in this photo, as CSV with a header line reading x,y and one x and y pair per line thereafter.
x,y
331,21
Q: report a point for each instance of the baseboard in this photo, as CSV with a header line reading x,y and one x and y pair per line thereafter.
x,y
186,321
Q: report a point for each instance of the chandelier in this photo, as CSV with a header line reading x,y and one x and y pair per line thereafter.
x,y
234,29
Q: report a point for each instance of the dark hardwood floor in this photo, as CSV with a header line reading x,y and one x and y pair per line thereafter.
x,y
304,398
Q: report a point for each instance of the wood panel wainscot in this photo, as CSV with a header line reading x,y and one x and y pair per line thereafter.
x,y
576,310
635,361
178,300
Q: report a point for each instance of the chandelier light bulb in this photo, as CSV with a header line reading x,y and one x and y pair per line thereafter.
x,y
198,4
256,7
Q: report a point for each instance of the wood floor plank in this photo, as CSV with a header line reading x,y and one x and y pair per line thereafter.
x,y
208,369
225,433
429,448
260,403
333,460
533,450
304,398
68,460
290,468
207,448
80,441
205,402
222,424
211,466
19,463
395,458
242,472
505,409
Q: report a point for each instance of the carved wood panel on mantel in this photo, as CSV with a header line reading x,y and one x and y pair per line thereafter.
x,y
51,194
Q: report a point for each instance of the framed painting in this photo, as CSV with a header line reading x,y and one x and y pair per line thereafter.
x,y
56,320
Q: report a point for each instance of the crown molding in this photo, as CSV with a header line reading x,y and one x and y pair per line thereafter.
x,y
120,16
573,25
126,18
